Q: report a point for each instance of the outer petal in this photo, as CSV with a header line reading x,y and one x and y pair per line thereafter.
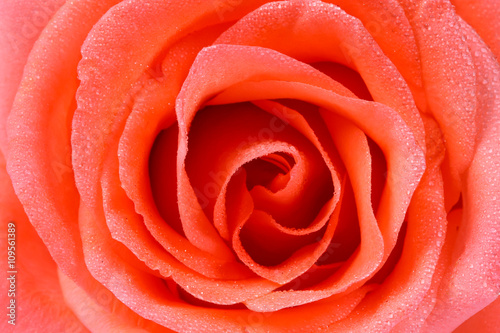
x,y
472,280
386,22
486,320
416,321
449,81
483,16
38,158
94,311
38,297
20,25
129,38
300,29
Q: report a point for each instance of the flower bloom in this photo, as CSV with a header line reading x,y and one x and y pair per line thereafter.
x,y
250,166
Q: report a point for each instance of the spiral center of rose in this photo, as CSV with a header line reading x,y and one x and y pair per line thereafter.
x,y
254,162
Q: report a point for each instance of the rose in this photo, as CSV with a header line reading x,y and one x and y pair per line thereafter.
x,y
415,160
426,271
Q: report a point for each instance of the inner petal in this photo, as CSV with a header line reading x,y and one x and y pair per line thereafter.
x,y
267,244
271,171
346,76
163,177
220,133
347,237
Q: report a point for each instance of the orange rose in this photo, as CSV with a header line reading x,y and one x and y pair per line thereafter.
x,y
250,166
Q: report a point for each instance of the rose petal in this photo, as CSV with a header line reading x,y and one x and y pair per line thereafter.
x,y
486,320
306,26
389,27
309,123
482,16
449,81
472,280
151,106
128,51
39,158
406,287
416,321
97,318
20,27
38,297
